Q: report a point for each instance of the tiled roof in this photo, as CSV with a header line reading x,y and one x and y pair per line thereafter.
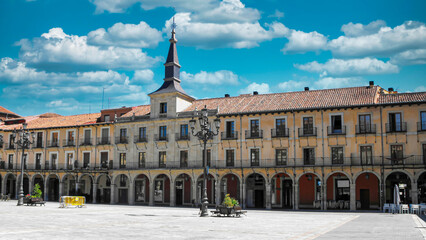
x,y
5,111
36,122
402,98
139,111
246,103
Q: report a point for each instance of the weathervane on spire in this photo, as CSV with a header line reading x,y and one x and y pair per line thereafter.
x,y
173,38
173,25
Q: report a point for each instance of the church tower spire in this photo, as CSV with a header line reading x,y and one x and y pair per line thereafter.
x,y
172,72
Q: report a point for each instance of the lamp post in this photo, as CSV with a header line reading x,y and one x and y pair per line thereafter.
x,y
204,135
22,140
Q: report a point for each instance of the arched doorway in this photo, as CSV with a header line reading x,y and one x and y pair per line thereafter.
x,y
52,188
338,191
162,189
403,181
141,189
26,185
230,184
103,194
210,189
38,179
367,191
255,196
282,191
309,191
10,185
68,185
122,189
85,187
183,189
421,185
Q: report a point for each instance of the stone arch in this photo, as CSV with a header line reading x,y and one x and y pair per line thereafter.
x,y
122,186
103,194
38,179
161,185
142,188
52,190
69,182
282,190
399,170
26,184
340,172
366,171
418,174
403,180
367,190
183,189
67,175
421,186
283,172
85,188
256,190
86,174
9,185
230,183
101,175
308,172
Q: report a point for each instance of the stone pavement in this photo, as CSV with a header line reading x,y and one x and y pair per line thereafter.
x,y
143,222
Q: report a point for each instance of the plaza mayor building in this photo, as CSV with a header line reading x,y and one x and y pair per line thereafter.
x,y
344,148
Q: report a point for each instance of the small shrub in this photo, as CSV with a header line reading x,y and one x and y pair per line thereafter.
x,y
36,192
229,202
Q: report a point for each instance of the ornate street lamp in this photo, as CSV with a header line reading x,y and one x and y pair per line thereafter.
x,y
22,140
204,135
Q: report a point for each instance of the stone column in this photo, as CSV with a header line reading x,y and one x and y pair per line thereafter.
x,y
113,187
61,189
46,190
268,195
77,183
194,192
414,192
95,192
296,196
244,192
131,193
217,192
352,196
151,193
172,194
324,196
30,187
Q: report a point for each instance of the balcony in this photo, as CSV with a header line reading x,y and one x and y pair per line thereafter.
x,y
307,132
104,141
365,129
421,126
334,131
308,161
122,140
229,135
10,146
180,137
53,143
252,134
68,143
2,165
38,145
158,137
141,139
86,142
162,165
398,127
279,132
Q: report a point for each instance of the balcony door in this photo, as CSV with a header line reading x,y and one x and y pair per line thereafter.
x,y
365,123
87,136
395,121
105,135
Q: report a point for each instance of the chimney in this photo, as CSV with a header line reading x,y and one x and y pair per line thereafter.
x,y
255,93
226,95
306,88
390,89
371,83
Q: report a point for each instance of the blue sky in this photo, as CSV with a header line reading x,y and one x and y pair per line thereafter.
x,y
61,55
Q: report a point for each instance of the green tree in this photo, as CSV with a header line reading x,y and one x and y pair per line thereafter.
x,y
37,192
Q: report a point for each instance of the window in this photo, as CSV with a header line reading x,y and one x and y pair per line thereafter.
x,y
142,134
69,161
141,162
53,159
230,157
230,129
104,159
422,121
123,135
163,107
163,133
162,157
184,131
254,157
395,122
122,160
87,136
365,123
39,142
11,142
107,118
86,160
209,155
280,127
10,164
38,161
123,180
281,157
183,158
309,156
336,124
254,128
396,154
366,153
54,140
70,138
105,136
337,155
308,125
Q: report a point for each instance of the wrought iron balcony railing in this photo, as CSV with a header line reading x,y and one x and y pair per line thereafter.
x,y
279,132
229,135
365,129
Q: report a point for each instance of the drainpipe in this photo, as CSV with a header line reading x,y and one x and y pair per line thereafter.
x,y
243,184
295,185
382,171
323,193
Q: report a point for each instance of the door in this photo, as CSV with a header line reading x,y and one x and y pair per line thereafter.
x,y
122,196
106,197
287,194
39,139
87,137
365,198
179,193
258,198
105,136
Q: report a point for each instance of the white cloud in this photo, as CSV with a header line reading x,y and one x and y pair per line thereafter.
x,y
118,6
410,57
420,89
211,78
214,35
277,14
292,85
330,82
146,75
58,51
300,42
228,11
262,88
351,67
358,29
385,42
126,35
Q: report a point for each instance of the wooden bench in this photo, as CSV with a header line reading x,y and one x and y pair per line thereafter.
x,y
222,211
238,211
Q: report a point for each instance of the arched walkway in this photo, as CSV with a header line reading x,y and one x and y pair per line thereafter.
x,y
121,193
403,182
162,189
85,187
282,191
103,192
10,185
183,188
421,186
142,189
367,191
255,191
38,179
338,191
309,191
230,184
68,185
210,188
52,188
26,185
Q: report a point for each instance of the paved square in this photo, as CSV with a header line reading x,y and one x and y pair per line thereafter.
x,y
143,222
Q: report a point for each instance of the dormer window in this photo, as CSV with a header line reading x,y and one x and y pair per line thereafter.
x,y
163,107
106,118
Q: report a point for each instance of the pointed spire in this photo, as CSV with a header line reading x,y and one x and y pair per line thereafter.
x,y
172,57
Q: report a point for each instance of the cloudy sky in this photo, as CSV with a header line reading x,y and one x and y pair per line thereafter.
x,y
61,55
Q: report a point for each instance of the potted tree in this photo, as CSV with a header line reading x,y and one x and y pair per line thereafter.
x,y
228,205
37,193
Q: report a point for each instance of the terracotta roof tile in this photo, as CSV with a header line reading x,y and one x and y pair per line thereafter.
x,y
139,111
402,97
4,110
